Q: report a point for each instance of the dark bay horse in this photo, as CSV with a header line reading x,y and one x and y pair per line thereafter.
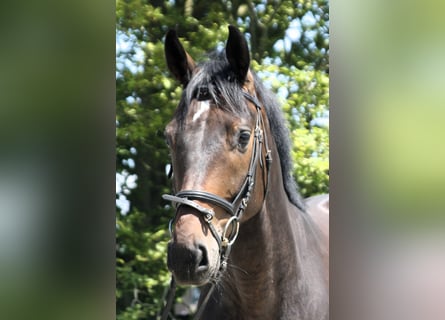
x,y
241,230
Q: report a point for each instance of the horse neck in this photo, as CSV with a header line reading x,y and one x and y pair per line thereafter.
x,y
268,272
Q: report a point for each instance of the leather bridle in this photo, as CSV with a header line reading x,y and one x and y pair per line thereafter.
x,y
235,208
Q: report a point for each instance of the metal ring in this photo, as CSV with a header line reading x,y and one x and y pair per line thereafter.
x,y
233,232
170,227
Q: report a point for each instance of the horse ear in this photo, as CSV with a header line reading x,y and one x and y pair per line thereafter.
x,y
237,53
179,62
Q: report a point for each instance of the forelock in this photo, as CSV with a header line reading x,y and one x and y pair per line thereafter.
x,y
217,77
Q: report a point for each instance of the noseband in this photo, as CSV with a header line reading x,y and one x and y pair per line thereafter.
x,y
235,208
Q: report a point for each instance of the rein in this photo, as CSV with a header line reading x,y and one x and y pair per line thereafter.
x,y
235,208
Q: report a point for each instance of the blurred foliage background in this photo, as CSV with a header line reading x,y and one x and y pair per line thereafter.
x,y
289,42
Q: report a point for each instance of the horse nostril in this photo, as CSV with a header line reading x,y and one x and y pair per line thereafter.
x,y
204,262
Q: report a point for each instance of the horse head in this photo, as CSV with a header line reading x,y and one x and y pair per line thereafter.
x,y
220,157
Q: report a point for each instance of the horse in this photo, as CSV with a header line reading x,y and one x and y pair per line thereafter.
x,y
241,230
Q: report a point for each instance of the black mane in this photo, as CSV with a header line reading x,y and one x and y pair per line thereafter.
x,y
216,75
281,135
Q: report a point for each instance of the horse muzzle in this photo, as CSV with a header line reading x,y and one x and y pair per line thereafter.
x,y
193,254
189,263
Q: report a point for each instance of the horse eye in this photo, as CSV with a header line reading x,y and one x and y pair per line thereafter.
x,y
244,138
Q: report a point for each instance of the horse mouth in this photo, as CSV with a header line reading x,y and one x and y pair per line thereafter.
x,y
198,277
187,270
